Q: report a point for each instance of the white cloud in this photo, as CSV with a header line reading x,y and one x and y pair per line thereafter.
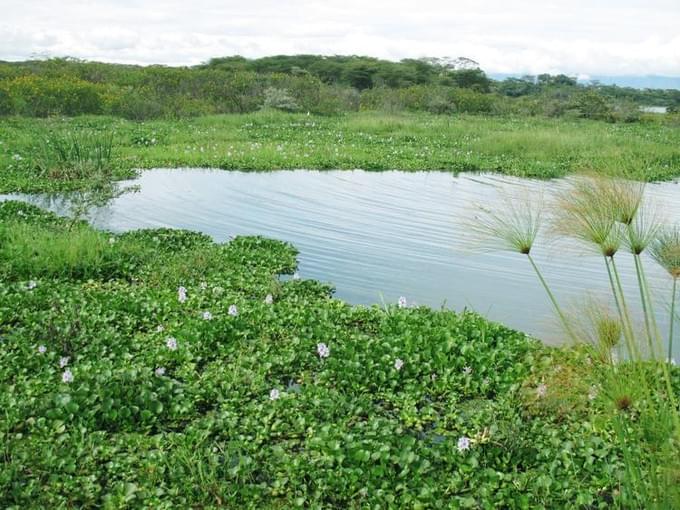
x,y
578,36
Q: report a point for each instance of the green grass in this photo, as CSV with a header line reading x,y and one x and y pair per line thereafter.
x,y
348,431
531,147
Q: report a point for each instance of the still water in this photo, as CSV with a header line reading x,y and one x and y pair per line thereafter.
x,y
380,235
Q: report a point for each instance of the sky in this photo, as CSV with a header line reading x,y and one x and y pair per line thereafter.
x,y
576,37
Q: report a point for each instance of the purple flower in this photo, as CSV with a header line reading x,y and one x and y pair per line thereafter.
x,y
233,310
323,350
42,349
463,443
207,316
181,294
274,394
541,390
401,303
160,371
63,361
269,299
171,343
398,363
67,376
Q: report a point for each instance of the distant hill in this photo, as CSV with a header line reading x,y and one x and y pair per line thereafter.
x,y
638,82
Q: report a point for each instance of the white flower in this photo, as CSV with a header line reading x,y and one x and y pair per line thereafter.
x,y
63,361
233,310
592,394
323,350
160,328
32,284
207,316
296,275
203,285
398,363
181,294
112,240
541,390
463,443
433,377
160,371
269,299
401,303
467,370
67,376
274,394
671,361
171,343
615,357
17,157
42,349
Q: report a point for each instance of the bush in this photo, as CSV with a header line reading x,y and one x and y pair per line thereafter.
x,y
279,99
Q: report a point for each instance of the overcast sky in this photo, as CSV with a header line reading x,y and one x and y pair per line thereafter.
x,y
504,36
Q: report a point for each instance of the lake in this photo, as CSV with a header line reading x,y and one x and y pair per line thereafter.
x,y
377,236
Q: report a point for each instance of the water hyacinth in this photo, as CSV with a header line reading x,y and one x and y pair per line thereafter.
x,y
233,310
160,328
42,349
401,302
181,294
207,316
541,390
398,364
464,443
296,275
160,371
203,285
67,376
269,299
32,284
63,361
467,370
323,350
274,394
171,343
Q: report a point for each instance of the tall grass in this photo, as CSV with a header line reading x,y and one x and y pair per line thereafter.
x,y
74,155
613,217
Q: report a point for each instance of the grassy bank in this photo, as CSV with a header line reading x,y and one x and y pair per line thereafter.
x,y
527,146
119,390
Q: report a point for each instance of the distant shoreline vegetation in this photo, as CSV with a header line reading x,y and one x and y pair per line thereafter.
x,y
308,83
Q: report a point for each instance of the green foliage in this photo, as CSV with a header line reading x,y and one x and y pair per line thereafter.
x,y
354,429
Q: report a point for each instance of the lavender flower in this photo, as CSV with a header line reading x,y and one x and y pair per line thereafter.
x,y
160,328
160,371
269,299
233,310
398,363
42,349
207,316
274,394
541,390
464,443
171,343
181,294
67,376
401,302
323,350
63,361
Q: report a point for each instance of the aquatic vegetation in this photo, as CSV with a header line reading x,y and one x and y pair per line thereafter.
x,y
609,214
141,424
519,146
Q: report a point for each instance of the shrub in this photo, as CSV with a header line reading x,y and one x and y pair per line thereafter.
x,y
279,99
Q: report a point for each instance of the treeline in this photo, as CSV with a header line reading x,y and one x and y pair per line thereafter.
x,y
305,83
